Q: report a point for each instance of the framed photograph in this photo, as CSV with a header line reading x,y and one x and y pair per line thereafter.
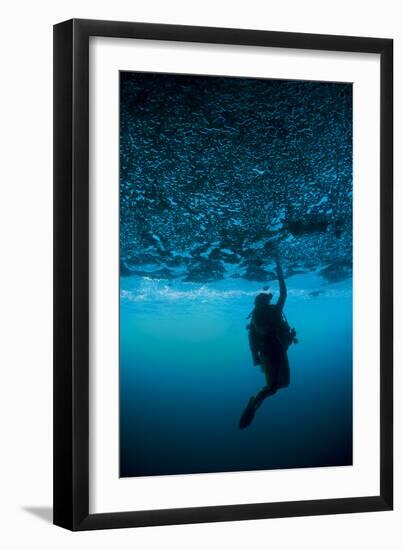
x,y
223,322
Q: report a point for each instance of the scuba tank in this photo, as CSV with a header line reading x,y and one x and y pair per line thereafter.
x,y
285,334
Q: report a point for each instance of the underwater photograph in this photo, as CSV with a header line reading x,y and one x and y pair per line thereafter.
x,y
236,320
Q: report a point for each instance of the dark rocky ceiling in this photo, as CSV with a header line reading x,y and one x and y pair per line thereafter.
x,y
218,174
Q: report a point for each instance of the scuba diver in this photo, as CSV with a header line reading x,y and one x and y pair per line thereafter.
x,y
269,338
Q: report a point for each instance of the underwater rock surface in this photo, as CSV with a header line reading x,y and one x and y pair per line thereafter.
x,y
218,173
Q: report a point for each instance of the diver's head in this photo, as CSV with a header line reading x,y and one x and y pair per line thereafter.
x,y
263,299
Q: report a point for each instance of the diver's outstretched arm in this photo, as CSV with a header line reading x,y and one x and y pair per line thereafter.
x,y
283,288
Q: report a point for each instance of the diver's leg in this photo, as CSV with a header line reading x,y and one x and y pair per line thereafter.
x,y
255,402
284,372
263,394
271,374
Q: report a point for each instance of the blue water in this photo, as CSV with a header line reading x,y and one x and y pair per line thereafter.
x,y
186,375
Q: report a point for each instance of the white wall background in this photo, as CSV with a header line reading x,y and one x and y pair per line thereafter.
x,y
26,274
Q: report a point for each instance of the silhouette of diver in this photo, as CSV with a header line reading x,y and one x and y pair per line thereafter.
x,y
269,338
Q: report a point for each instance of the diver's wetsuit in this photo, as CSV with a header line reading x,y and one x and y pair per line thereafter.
x,y
267,349
266,323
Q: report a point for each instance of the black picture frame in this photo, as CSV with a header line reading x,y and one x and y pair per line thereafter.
x,y
71,274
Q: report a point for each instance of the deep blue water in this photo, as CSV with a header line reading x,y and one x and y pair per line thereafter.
x,y
186,375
